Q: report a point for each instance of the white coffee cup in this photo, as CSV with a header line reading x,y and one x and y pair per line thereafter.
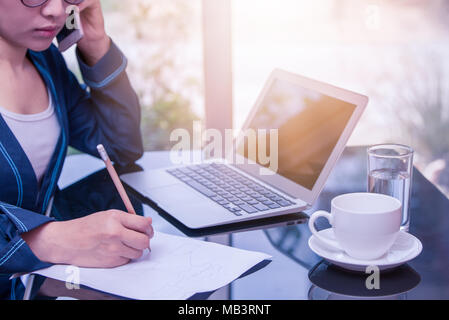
x,y
365,225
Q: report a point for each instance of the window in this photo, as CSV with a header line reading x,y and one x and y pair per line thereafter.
x,y
395,52
162,40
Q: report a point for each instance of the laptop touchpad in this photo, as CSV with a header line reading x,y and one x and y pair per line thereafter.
x,y
188,206
175,196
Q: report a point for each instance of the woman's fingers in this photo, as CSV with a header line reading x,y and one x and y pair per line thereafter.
x,y
137,223
130,253
135,240
86,3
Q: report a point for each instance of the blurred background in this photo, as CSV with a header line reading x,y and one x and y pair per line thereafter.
x,y
394,51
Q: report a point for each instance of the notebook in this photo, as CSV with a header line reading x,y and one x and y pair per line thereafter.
x,y
177,268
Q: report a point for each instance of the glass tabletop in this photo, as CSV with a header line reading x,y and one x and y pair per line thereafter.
x,y
295,271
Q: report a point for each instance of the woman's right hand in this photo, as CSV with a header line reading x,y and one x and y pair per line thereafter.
x,y
101,240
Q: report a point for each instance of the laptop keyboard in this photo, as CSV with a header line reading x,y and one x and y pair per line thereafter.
x,y
230,189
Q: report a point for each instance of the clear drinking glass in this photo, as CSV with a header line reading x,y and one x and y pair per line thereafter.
x,y
390,172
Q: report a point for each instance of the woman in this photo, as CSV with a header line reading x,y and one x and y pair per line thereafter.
x,y
44,110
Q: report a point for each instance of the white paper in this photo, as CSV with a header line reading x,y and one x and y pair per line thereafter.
x,y
177,268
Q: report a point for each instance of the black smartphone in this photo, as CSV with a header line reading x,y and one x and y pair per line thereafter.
x,y
71,33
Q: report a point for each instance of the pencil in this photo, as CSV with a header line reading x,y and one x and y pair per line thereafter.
x,y
114,176
118,184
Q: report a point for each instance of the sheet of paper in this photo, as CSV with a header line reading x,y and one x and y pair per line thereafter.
x,y
177,268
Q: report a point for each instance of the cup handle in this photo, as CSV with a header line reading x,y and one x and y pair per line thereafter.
x,y
332,243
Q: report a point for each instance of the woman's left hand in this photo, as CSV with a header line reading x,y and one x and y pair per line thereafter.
x,y
95,42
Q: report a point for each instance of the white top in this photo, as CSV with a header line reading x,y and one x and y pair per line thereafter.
x,y
37,133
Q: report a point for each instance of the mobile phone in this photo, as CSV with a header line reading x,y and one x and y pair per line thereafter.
x,y
71,33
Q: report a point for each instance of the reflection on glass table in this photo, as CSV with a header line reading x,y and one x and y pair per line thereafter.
x,y
292,242
332,283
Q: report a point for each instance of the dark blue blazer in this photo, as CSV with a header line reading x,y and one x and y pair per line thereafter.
x,y
105,111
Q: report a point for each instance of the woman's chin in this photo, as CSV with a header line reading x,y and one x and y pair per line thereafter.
x,y
40,45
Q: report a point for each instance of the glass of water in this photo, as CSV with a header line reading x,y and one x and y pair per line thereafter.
x,y
390,172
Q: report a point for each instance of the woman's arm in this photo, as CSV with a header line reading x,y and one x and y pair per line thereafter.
x,y
95,43
100,240
15,254
110,113
30,241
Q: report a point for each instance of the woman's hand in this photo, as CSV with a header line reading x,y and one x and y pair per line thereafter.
x,y
95,42
101,240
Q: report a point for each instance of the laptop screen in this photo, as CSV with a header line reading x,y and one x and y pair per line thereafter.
x,y
309,125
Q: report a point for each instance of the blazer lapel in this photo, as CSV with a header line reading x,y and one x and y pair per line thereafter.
x,y
22,190
50,178
19,185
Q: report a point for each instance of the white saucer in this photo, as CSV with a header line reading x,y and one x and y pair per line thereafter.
x,y
405,248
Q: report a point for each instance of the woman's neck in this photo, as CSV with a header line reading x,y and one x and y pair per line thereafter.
x,y
12,56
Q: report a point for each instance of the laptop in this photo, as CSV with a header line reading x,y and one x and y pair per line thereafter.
x,y
300,125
